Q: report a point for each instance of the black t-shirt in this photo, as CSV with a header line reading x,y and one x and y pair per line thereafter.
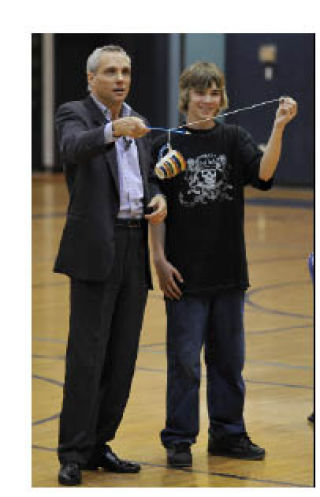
x,y
204,227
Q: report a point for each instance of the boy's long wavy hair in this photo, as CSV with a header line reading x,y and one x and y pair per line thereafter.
x,y
200,76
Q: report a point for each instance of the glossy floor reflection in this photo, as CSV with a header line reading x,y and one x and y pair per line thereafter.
x,y
278,372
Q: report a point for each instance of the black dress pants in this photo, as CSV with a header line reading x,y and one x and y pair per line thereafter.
x,y
105,324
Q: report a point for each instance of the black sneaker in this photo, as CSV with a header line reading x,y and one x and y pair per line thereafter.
x,y
237,446
179,455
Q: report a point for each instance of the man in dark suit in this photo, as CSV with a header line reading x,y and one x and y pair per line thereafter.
x,y
105,151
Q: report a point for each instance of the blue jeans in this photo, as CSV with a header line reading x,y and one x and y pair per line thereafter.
x,y
216,322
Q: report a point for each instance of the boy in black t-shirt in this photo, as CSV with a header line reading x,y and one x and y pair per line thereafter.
x,y
200,258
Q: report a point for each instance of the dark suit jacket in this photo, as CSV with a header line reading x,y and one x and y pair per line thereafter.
x,y
87,246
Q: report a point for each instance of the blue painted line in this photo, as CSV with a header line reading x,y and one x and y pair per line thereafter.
x,y
243,477
48,215
276,384
54,357
45,420
277,330
249,361
154,370
277,259
282,365
54,382
41,447
275,311
247,380
48,380
281,202
209,473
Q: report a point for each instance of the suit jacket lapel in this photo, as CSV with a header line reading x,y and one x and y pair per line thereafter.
x,y
95,113
98,118
111,157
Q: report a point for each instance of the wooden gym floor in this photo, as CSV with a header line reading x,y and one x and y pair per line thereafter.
x,y
278,371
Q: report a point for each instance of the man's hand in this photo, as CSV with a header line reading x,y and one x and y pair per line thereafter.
x,y
129,126
287,111
168,275
159,203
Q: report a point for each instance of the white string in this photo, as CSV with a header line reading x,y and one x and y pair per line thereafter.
x,y
230,112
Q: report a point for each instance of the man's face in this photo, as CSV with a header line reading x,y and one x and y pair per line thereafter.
x,y
203,104
111,82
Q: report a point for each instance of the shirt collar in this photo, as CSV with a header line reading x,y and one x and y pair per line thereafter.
x,y
125,110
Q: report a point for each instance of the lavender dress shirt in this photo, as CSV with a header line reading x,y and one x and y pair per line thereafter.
x,y
130,180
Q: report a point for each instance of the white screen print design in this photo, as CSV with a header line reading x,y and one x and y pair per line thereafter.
x,y
208,180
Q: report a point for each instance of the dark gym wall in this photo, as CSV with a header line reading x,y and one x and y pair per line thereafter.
x,y
149,86
36,101
149,55
246,84
294,76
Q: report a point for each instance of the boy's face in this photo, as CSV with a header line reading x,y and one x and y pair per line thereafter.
x,y
204,104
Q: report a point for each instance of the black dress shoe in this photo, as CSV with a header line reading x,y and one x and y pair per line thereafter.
x,y
109,461
236,446
70,474
179,455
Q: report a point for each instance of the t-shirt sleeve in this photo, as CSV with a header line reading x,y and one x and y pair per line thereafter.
x,y
250,156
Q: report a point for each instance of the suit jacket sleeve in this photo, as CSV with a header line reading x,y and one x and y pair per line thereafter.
x,y
77,143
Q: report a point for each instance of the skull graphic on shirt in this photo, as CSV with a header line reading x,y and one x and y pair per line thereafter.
x,y
207,178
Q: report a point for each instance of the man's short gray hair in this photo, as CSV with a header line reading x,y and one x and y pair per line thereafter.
x,y
94,58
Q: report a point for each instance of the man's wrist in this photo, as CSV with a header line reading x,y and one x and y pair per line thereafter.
x,y
160,195
108,134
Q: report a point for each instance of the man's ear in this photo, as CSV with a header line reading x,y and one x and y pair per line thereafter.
x,y
90,77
